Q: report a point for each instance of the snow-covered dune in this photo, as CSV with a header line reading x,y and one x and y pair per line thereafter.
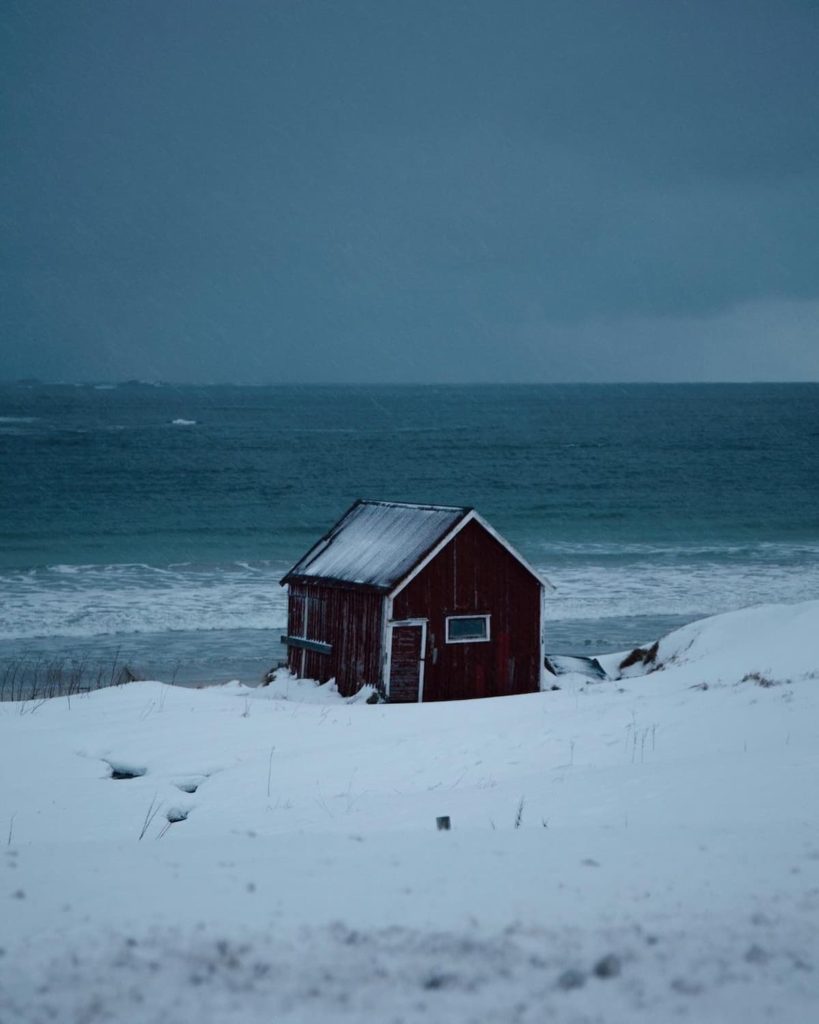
x,y
643,847
770,643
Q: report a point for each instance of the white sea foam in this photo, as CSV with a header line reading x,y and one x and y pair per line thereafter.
x,y
179,422
87,601
597,591
82,601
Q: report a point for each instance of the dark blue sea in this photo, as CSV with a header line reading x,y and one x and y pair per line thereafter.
x,y
150,524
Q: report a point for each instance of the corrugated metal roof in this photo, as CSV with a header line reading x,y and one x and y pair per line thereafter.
x,y
376,543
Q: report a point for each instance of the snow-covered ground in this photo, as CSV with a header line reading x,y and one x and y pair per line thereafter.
x,y
638,849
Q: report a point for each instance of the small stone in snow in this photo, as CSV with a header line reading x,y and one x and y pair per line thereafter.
x,y
686,987
608,966
18,894
439,981
756,955
571,978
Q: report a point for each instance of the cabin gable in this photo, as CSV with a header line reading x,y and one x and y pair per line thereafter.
x,y
476,576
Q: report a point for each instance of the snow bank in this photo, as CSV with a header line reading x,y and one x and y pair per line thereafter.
x,y
639,847
769,644
283,685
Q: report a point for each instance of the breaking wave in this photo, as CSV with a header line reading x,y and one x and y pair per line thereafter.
x,y
650,581
87,600
83,601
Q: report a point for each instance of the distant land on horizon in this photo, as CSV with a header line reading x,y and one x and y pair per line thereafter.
x,y
31,382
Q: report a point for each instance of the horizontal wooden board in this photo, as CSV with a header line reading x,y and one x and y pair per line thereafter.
x,y
307,645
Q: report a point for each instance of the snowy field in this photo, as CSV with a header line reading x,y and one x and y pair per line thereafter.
x,y
645,848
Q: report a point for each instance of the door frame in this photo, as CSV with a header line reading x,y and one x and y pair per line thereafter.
x,y
423,624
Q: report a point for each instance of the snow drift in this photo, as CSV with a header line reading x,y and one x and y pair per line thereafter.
x,y
643,846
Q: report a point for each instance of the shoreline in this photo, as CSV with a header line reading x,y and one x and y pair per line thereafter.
x,y
213,657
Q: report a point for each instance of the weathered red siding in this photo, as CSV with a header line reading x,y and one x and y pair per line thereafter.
x,y
348,618
474,574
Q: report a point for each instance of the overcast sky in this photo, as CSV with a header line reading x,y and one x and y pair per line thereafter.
x,y
410,191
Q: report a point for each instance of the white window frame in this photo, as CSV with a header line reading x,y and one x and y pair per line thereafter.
x,y
469,639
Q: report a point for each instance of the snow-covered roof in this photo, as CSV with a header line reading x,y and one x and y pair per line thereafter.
x,y
376,543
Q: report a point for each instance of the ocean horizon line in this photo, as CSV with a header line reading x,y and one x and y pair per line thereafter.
x,y
103,383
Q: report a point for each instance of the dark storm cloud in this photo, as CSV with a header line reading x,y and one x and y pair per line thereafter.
x,y
263,191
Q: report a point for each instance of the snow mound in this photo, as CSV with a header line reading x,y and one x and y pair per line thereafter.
x,y
767,644
283,685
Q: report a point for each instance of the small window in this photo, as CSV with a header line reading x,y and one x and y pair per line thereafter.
x,y
467,629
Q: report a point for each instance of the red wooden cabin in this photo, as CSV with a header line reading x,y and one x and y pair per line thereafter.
x,y
424,602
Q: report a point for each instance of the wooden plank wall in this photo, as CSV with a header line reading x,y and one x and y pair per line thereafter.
x,y
474,574
348,618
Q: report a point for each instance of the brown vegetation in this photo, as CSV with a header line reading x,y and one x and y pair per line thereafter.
x,y
641,656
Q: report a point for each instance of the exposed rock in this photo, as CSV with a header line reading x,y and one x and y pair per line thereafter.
x,y
571,978
608,966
